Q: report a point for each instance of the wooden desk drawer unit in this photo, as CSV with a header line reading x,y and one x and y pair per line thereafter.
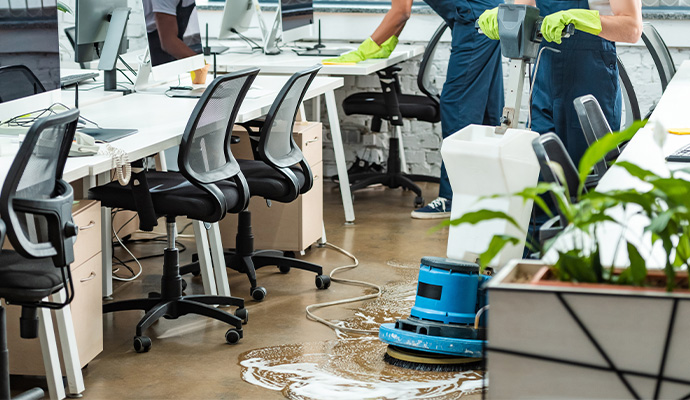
x,y
87,312
292,226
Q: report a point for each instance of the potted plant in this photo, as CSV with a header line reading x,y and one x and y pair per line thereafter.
x,y
593,330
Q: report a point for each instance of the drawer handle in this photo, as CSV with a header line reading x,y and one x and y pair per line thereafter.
x,y
89,226
91,276
316,177
316,139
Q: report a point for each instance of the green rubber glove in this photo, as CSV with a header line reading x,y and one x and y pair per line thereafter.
x,y
584,20
365,51
488,23
387,48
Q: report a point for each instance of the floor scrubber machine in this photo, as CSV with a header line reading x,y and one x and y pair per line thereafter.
x,y
446,326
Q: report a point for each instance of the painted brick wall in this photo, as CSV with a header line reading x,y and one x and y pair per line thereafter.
x,y
422,140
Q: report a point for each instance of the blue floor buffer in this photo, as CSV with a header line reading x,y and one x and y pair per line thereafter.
x,y
446,329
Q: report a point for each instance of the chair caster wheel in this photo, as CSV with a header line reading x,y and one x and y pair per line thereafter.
x,y
142,344
243,314
232,336
290,254
196,272
154,295
418,201
323,282
284,270
258,293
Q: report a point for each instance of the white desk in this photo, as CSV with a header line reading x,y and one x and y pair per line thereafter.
x,y
643,150
287,62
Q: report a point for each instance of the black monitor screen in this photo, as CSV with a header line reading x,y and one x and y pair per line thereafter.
x,y
28,41
296,13
164,45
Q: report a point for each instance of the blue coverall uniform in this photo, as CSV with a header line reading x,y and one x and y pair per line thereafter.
x,y
473,91
586,64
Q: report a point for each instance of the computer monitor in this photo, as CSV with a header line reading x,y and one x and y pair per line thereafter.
x,y
237,17
29,39
100,34
295,18
172,55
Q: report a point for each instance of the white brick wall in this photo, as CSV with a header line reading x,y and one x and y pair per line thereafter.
x,y
422,140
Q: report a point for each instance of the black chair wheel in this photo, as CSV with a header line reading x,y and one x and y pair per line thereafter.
x,y
323,282
258,293
184,285
232,336
142,344
418,201
284,269
154,295
243,314
290,254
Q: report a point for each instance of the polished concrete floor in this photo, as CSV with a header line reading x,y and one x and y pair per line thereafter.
x,y
189,358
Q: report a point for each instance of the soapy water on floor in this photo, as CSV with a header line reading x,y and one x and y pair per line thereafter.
x,y
352,366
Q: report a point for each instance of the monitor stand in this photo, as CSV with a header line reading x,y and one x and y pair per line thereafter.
x,y
271,39
111,49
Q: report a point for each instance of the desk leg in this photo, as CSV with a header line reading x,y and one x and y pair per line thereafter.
x,y
107,251
401,149
340,156
323,239
205,264
68,343
316,108
51,359
218,257
161,164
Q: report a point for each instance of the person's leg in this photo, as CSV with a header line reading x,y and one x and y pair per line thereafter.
x,y
474,82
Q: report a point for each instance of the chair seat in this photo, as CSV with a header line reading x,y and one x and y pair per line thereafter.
x,y
266,182
171,194
411,106
27,280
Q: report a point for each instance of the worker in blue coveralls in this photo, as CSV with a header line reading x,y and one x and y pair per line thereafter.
x,y
473,90
586,63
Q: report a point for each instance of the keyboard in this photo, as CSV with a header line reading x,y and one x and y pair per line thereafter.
x,y
70,80
680,155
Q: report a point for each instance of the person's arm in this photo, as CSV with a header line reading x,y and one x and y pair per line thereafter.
x,y
167,31
625,25
532,3
394,21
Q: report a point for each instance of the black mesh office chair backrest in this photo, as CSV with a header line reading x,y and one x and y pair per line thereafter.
x,y
17,81
549,149
276,145
632,106
35,202
210,129
660,54
429,79
594,125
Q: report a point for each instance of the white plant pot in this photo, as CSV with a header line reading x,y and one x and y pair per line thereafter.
x,y
549,342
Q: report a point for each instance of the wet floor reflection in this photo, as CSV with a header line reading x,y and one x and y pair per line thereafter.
x,y
352,366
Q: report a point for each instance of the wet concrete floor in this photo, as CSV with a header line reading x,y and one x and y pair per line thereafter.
x,y
282,353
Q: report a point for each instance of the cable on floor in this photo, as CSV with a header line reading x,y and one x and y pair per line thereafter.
x,y
355,264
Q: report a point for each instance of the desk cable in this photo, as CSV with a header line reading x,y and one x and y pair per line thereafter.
x,y
120,158
355,263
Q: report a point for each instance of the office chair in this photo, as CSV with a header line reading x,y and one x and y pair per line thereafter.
x,y
36,206
632,106
17,81
208,185
391,105
549,148
278,172
660,54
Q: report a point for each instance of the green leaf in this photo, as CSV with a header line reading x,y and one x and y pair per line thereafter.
x,y
498,242
638,267
475,217
574,266
63,7
659,224
599,149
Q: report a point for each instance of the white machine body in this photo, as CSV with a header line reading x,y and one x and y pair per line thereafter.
x,y
480,163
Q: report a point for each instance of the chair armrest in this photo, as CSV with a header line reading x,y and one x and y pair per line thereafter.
x,y
550,229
